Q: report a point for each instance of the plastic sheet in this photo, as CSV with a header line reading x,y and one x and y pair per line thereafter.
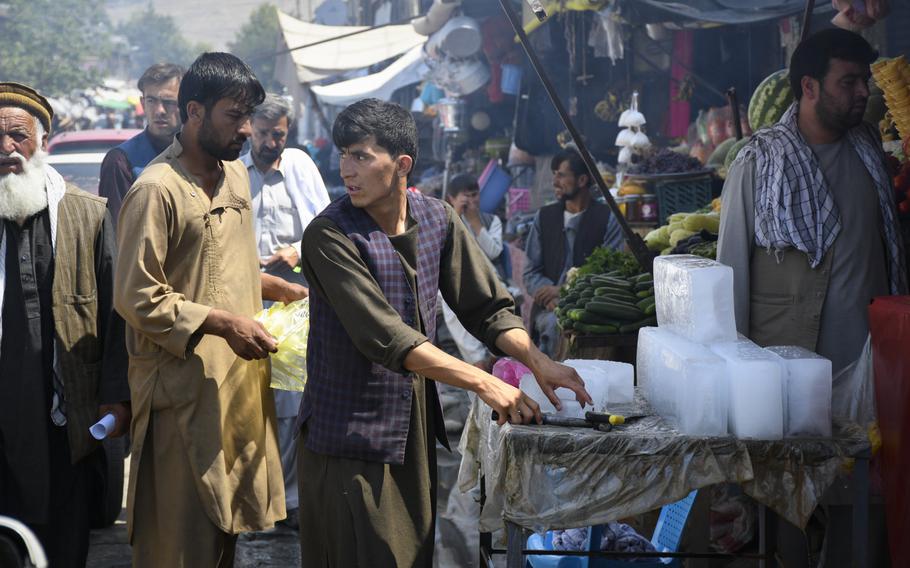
x,y
290,324
546,477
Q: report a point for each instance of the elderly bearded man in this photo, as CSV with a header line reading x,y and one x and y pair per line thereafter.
x,y
62,358
205,455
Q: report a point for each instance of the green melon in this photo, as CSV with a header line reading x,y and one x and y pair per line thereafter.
x,y
770,100
717,156
734,151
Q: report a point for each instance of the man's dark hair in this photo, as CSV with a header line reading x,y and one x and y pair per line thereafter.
x,y
216,76
392,126
813,56
160,73
576,164
460,184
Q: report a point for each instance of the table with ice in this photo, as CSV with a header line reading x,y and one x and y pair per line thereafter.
x,y
808,386
695,298
755,382
685,382
608,382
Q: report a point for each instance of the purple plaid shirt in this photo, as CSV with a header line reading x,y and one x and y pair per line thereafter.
x,y
355,408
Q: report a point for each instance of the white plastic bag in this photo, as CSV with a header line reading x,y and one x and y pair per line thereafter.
x,y
853,390
290,324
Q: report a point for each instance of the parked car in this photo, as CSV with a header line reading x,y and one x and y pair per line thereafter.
x,y
82,141
81,169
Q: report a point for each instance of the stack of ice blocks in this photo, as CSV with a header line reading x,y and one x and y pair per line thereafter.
x,y
699,375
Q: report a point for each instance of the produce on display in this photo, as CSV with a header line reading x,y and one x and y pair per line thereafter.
x,y
607,295
631,139
734,151
771,99
893,77
665,161
688,233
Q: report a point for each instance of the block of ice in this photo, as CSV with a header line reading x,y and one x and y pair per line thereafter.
x,y
756,390
570,407
608,382
808,388
685,382
695,298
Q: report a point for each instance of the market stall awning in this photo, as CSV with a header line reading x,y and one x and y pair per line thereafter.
x,y
733,11
334,57
408,69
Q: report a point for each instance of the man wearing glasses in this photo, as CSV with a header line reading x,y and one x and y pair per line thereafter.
x,y
123,164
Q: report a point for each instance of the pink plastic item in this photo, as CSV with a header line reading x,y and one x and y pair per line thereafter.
x,y
509,370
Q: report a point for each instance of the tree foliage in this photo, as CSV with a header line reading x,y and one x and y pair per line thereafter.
x,y
155,38
54,45
256,43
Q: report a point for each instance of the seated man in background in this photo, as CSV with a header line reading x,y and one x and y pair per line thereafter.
x,y
563,236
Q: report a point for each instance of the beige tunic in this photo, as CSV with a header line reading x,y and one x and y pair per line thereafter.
x,y
180,255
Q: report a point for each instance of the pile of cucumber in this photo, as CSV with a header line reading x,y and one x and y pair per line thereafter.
x,y
604,304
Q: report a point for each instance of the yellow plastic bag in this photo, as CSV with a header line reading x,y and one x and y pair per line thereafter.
x,y
290,324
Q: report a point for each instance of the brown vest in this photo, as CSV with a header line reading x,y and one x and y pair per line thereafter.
x,y
786,298
75,300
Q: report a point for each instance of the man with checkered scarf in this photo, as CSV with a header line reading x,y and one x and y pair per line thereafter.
x,y
808,219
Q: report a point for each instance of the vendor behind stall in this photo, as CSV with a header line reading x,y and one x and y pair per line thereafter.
x,y
809,223
563,235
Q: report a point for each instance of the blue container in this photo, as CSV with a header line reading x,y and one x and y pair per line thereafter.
x,y
494,184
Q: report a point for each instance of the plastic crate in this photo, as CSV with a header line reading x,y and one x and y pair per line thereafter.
x,y
679,193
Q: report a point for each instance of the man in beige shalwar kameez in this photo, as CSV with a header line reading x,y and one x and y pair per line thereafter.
x,y
205,458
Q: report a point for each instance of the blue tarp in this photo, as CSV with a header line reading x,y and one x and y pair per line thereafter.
x,y
734,11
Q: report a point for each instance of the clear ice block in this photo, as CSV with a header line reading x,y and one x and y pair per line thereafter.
x,y
808,388
695,298
755,380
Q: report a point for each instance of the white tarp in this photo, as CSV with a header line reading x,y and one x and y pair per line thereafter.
x,y
335,57
408,69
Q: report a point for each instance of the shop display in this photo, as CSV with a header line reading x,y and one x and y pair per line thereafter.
x,y
688,233
770,100
664,161
893,77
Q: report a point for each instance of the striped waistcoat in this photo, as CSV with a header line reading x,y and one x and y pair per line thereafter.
x,y
354,408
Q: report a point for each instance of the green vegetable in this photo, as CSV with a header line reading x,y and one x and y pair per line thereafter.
x,y
770,100
633,327
595,329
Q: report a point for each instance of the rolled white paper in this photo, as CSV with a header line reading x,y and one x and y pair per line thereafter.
x,y
103,427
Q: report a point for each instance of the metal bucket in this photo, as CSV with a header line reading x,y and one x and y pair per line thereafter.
x,y
451,114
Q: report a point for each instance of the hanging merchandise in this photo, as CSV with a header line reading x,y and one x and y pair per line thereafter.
x,y
856,15
631,139
606,36
452,57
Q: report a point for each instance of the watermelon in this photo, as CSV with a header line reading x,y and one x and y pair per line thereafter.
x,y
717,156
770,100
734,151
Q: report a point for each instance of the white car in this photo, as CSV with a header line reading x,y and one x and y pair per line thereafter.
x,y
81,169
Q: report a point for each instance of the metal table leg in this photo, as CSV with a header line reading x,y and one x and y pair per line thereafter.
x,y
861,511
516,543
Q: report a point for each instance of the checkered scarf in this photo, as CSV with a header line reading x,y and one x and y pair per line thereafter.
x,y
793,206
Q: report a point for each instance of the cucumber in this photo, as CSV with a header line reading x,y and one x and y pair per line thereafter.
x,y
607,281
575,314
595,329
644,276
642,304
617,300
588,316
633,327
567,324
615,310
586,293
612,291
644,285
645,293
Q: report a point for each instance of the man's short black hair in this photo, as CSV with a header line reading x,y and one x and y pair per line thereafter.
x,y
576,163
215,76
460,184
160,73
390,124
813,56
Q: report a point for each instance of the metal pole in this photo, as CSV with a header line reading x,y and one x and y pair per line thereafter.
x,y
807,20
636,243
734,106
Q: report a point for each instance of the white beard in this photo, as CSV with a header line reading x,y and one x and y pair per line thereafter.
x,y
23,195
